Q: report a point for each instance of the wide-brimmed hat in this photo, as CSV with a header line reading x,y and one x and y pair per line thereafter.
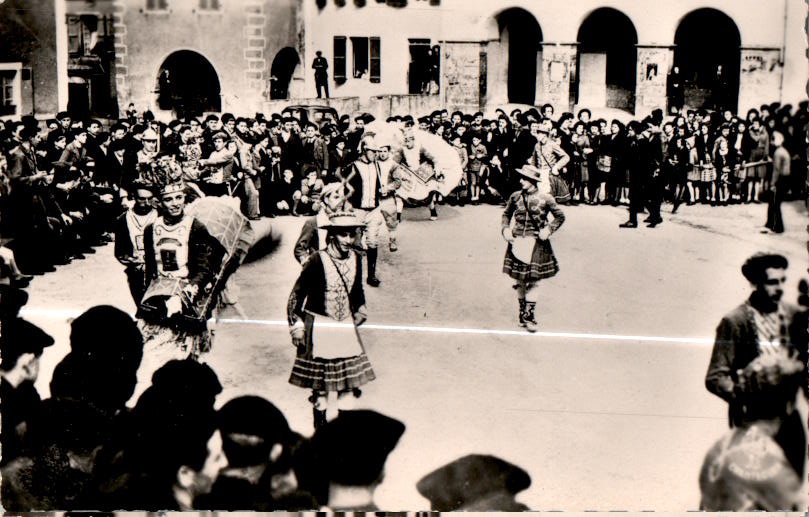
x,y
344,219
530,172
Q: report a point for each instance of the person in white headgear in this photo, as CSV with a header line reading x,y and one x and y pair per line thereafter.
x,y
365,193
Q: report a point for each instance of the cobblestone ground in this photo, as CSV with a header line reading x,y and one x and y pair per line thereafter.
x,y
601,421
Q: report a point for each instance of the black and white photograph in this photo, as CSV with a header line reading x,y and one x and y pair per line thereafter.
x,y
407,256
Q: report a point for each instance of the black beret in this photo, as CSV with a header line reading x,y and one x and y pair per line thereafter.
x,y
352,449
474,482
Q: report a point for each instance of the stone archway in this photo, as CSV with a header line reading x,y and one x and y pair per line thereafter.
x,y
607,60
188,84
699,62
520,48
283,66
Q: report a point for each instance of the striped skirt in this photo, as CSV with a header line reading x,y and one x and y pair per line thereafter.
x,y
543,263
340,374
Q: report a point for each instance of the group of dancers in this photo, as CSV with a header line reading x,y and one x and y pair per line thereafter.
x,y
178,271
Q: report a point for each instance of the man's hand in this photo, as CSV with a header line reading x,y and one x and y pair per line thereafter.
x,y
554,170
545,233
508,235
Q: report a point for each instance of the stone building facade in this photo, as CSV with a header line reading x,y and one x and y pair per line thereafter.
x,y
616,54
210,55
28,71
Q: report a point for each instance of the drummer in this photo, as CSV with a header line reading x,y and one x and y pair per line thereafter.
x,y
331,360
529,256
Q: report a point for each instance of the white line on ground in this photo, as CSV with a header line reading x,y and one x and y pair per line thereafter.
x,y
63,314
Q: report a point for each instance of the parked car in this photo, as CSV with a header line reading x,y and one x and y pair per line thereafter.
x,y
315,113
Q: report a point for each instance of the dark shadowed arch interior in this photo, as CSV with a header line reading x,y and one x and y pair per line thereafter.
x,y
705,40
608,56
188,83
283,66
524,39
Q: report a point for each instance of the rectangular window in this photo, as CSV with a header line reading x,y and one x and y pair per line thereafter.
x,y
74,34
157,5
359,47
376,60
209,5
7,106
339,64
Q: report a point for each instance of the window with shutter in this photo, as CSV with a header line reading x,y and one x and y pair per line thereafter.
x,y
376,60
74,33
339,60
157,5
209,5
359,51
7,106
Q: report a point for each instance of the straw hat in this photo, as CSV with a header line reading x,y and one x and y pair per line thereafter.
x,y
530,172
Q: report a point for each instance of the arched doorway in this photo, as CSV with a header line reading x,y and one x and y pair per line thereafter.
x,y
283,66
703,85
607,63
188,84
521,34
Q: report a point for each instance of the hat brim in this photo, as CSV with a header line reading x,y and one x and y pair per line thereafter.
x,y
531,175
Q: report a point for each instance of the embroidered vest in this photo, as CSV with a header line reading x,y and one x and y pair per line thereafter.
x,y
171,247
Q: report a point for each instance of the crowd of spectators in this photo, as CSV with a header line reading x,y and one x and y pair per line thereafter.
x,y
62,185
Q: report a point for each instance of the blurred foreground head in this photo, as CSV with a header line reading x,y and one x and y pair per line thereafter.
x,y
475,483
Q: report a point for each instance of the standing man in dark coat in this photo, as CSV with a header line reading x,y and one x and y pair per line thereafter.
x,y
761,325
321,67
638,173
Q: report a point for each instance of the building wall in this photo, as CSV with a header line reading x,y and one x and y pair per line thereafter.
x,y
28,35
765,26
394,26
239,40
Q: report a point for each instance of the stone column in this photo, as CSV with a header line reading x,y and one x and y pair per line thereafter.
x,y
652,75
463,75
760,76
558,66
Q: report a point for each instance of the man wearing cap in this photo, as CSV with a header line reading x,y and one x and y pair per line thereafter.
x,y
364,193
31,204
21,346
352,451
331,362
548,156
390,181
761,325
129,245
218,167
147,155
475,483
529,256
258,445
